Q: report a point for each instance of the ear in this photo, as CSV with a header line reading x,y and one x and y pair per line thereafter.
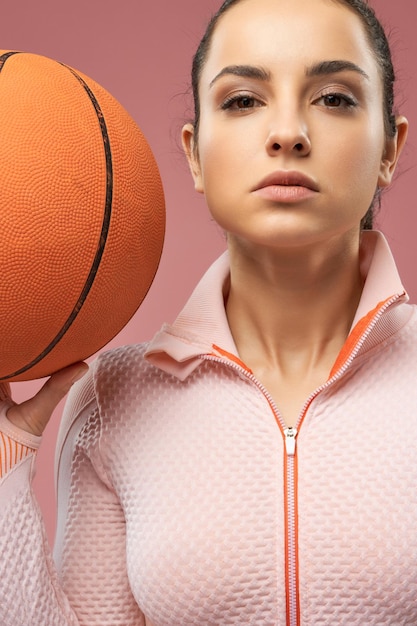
x,y
190,150
393,149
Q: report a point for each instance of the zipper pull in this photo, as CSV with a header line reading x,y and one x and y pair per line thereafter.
x,y
290,440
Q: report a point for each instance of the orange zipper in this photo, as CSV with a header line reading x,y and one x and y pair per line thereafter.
x,y
348,353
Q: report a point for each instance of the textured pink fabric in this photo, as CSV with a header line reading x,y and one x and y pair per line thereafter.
x,y
171,484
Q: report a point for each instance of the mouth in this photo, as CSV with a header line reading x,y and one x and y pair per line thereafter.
x,y
286,187
284,178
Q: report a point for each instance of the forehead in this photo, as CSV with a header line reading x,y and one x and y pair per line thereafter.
x,y
289,33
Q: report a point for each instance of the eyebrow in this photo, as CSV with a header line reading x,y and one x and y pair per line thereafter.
x,y
323,68
246,71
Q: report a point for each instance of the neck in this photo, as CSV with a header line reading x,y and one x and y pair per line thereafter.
x,y
293,309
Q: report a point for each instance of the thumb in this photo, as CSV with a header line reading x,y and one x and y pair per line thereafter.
x,y
34,414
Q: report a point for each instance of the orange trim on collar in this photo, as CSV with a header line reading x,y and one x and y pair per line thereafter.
x,y
231,357
354,337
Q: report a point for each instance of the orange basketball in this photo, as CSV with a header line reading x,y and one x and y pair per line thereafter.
x,y
82,216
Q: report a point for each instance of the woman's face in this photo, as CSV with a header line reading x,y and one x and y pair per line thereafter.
x,y
291,144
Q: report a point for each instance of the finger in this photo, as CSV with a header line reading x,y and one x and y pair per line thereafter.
x,y
34,414
58,385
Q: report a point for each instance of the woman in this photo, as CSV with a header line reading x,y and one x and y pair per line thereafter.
x,y
252,464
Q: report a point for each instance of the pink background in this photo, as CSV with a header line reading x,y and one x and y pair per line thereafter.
x,y
141,52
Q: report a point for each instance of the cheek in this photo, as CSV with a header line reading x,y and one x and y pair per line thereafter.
x,y
222,163
358,159
221,177
226,149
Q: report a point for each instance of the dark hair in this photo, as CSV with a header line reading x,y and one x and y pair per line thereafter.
x,y
379,45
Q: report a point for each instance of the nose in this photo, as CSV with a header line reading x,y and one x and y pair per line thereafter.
x,y
288,134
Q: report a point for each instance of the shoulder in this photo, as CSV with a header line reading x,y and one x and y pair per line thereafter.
x,y
122,362
109,376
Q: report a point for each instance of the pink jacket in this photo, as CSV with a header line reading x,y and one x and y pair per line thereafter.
x,y
183,497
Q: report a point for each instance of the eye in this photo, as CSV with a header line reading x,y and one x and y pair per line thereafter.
x,y
337,101
240,102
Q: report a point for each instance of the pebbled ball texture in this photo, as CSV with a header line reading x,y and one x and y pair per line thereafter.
x,y
82,216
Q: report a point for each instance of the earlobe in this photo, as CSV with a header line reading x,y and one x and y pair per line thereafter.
x,y
393,149
188,144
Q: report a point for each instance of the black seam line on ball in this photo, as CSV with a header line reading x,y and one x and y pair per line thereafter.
x,y
104,229
7,55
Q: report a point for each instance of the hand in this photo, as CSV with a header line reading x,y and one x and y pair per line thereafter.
x,y
34,414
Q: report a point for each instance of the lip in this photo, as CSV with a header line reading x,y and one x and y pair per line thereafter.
x,y
284,178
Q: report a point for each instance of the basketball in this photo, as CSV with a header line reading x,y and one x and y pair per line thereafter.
x,y
82,216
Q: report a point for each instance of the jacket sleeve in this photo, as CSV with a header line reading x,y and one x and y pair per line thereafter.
x,y
15,444
30,592
87,585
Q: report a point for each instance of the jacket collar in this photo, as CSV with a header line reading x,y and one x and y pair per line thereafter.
x,y
202,324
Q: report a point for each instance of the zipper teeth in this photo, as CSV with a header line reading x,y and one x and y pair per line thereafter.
x,y
349,360
292,547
